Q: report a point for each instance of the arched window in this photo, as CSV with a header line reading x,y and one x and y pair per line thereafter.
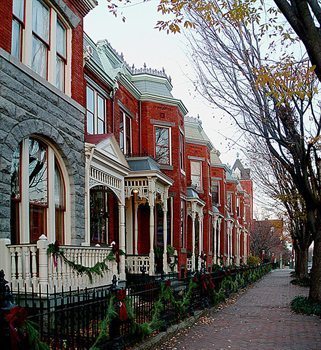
x,y
38,202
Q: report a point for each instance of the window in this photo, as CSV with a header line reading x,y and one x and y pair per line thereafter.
x,y
17,27
162,145
215,192
238,209
229,203
181,151
61,58
37,181
196,174
125,130
40,41
40,37
95,112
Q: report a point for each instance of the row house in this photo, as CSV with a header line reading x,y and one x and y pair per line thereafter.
x,y
100,157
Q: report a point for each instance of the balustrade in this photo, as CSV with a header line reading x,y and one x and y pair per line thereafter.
x,y
32,268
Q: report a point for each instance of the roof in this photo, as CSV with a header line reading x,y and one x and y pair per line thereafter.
x,y
194,132
241,172
142,163
215,157
192,193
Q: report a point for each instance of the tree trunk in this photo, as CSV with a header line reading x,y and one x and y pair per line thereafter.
x,y
302,263
315,288
297,261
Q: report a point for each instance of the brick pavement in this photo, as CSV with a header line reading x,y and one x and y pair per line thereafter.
x,y
260,319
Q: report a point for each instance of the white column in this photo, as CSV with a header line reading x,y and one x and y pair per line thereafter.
x,y
42,245
200,240
51,222
151,239
193,240
219,240
238,246
228,243
24,204
245,247
136,226
121,211
5,257
165,267
89,151
214,223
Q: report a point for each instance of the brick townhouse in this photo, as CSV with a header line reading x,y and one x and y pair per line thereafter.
x,y
95,152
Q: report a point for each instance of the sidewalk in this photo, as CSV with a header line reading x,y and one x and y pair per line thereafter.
x,y
260,319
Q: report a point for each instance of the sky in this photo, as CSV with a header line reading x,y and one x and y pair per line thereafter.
x,y
141,43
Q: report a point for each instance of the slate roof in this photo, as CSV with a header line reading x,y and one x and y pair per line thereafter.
x,y
245,172
194,131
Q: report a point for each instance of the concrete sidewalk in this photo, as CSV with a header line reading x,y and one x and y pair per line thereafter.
x,y
260,319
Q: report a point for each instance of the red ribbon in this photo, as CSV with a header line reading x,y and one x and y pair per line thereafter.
x,y
121,295
16,318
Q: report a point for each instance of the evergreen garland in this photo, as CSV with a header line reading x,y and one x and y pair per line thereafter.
x,y
98,269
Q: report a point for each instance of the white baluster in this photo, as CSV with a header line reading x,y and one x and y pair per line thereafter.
x,y
19,265
26,265
13,266
34,267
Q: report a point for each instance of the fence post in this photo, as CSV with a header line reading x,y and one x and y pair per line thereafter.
x,y
42,245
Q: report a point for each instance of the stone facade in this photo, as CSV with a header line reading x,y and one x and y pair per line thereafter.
x,y
31,106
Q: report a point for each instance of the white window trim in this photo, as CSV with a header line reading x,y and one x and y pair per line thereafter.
x,y
169,141
27,45
218,191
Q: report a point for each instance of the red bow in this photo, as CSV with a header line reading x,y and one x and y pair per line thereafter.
x,y
16,318
121,295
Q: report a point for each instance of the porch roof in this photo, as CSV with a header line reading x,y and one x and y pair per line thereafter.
x,y
192,196
147,167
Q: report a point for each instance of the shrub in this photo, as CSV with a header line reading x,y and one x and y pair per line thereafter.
x,y
253,260
304,305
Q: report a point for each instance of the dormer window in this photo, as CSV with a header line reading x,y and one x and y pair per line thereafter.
x,y
40,40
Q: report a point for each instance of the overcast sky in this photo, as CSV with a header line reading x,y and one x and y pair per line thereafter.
x,y
141,43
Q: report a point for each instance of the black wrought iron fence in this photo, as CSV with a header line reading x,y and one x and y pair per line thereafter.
x,y
73,319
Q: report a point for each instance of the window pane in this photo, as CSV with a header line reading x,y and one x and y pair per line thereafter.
x,y
90,99
100,126
40,20
59,189
37,216
61,39
90,123
162,155
16,39
101,107
121,136
15,174
162,136
18,9
60,74
39,57
37,172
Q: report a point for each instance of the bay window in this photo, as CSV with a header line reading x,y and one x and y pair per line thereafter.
x,y
40,41
162,145
196,174
37,193
95,105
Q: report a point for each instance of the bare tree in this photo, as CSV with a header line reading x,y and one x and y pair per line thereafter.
x,y
274,103
274,181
